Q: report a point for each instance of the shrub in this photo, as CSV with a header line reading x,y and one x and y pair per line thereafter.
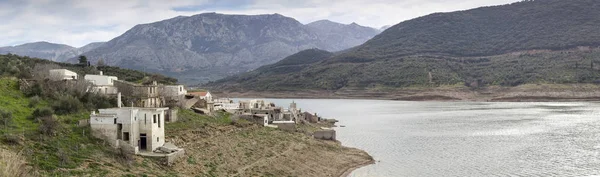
x,y
35,90
49,125
34,101
5,117
42,112
11,139
124,157
67,105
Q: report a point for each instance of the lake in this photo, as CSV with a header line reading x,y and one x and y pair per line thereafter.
x,y
467,138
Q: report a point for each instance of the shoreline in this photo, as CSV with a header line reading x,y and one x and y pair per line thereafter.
x,y
527,93
350,169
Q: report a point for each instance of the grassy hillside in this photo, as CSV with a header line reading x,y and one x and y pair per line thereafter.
x,y
529,42
40,137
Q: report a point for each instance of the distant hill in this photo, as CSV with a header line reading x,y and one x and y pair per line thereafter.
x,y
340,36
209,46
275,74
49,51
526,25
526,42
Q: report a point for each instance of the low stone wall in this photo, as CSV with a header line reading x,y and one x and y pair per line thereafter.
x,y
173,157
325,135
126,147
165,159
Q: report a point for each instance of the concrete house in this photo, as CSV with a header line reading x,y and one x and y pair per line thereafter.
x,y
172,91
102,84
226,104
62,74
138,129
146,96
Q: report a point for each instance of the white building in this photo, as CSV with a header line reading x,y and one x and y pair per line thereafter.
x,y
102,84
173,91
62,74
141,129
225,104
203,95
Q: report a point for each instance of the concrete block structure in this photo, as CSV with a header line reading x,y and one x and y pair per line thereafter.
x,y
173,90
325,135
138,95
226,104
62,74
285,125
102,84
140,129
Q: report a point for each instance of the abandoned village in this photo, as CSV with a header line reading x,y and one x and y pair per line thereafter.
x,y
136,124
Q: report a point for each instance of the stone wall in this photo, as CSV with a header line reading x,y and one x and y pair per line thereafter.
x,y
171,115
286,126
325,135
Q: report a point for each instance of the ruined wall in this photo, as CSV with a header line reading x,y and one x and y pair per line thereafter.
x,y
171,115
286,126
325,135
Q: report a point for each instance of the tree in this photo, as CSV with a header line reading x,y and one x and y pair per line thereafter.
x,y
83,60
100,62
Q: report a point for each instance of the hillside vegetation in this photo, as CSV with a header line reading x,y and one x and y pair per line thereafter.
x,y
529,42
24,67
485,31
40,136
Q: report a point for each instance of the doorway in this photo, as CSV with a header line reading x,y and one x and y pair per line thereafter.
x,y
143,142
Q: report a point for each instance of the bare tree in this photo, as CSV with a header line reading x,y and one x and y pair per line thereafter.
x,y
100,62
42,71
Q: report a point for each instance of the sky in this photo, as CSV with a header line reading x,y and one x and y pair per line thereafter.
x,y
79,22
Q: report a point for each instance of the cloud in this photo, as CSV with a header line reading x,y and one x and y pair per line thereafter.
x,y
79,22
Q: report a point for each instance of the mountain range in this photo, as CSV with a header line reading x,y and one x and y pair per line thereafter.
x,y
210,46
542,41
50,51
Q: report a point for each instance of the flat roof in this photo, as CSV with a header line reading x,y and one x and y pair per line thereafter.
x,y
128,108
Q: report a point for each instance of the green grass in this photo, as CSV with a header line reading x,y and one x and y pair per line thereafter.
x,y
71,147
189,119
13,101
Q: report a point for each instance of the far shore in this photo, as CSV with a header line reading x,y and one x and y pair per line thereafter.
x,y
525,93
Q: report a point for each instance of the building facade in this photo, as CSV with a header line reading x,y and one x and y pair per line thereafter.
x,y
139,128
102,84
138,95
62,74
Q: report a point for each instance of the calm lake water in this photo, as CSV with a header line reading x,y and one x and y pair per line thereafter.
x,y
467,138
